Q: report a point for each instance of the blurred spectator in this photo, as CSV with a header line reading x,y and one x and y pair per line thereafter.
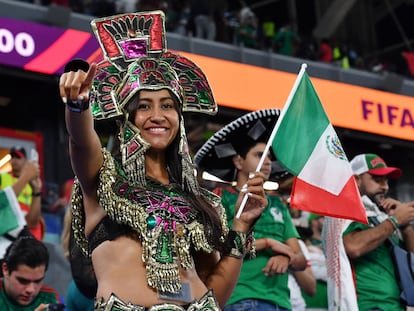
x,y
268,31
13,222
246,34
325,51
344,61
340,55
30,195
286,41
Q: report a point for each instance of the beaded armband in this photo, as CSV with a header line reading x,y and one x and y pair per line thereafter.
x,y
238,244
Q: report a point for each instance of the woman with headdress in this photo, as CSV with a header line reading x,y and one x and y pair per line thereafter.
x,y
157,241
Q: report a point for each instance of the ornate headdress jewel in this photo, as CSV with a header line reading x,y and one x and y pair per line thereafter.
x,y
150,74
102,95
126,37
198,96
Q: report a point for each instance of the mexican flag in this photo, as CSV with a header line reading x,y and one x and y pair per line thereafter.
x,y
306,144
11,215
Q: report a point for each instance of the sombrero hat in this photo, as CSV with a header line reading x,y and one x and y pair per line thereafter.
x,y
215,156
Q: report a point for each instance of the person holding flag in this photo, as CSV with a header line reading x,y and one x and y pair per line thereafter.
x,y
367,245
232,154
30,195
13,222
312,159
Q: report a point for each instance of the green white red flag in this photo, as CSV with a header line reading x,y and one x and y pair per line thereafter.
x,y
12,218
9,207
306,144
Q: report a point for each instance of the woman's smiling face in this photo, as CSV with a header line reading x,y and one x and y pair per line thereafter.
x,y
157,118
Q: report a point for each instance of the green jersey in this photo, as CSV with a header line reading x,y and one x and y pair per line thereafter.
x,y
276,223
375,278
46,295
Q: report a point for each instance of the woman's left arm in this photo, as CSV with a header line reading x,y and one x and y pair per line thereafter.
x,y
223,276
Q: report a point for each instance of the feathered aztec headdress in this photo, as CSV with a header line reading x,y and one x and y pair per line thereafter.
x,y
136,58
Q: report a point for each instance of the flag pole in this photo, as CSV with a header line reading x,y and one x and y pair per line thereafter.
x,y
272,135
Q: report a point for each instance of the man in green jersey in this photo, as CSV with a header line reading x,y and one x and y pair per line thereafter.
x,y
367,246
24,267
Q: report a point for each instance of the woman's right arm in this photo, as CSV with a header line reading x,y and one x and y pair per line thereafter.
x,y
84,144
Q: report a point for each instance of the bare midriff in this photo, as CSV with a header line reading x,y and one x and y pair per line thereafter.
x,y
120,270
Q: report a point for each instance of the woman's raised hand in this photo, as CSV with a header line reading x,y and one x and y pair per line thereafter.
x,y
75,84
255,203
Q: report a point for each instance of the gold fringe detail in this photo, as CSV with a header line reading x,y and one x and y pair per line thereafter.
x,y
133,149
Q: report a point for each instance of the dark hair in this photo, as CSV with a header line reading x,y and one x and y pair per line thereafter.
x,y
246,146
208,216
26,251
18,152
248,143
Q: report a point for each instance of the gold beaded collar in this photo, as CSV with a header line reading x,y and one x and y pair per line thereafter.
x,y
161,216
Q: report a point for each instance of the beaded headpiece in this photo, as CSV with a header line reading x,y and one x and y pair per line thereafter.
x,y
136,58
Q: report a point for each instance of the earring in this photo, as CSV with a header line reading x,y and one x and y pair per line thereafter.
x,y
188,175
